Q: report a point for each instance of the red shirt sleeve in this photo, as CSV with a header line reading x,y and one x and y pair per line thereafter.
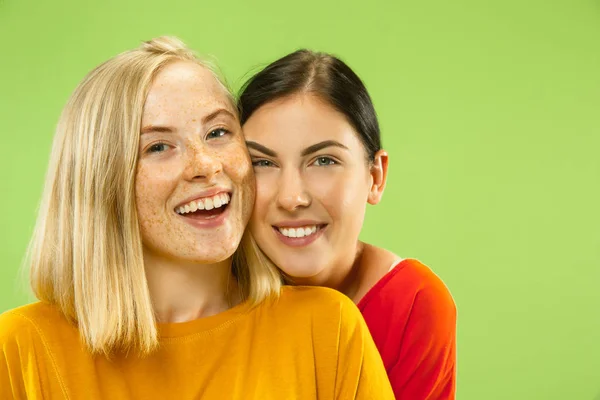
x,y
412,318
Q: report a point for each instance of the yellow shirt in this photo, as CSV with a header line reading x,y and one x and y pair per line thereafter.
x,y
312,343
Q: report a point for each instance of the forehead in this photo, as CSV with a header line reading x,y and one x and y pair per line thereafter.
x,y
300,121
184,87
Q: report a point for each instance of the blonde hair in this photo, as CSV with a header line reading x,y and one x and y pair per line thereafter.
x,y
86,251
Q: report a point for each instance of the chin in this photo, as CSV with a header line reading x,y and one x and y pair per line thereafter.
x,y
209,254
217,257
300,271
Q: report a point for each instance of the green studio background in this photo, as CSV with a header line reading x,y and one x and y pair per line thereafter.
x,y
490,112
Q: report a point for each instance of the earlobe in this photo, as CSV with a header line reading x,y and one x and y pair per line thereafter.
x,y
379,168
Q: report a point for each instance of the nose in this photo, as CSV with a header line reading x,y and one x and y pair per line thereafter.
x,y
292,194
201,163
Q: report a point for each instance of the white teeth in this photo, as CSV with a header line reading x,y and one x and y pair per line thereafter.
x,y
208,203
298,232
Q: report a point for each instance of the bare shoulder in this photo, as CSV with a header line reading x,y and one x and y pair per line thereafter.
x,y
377,259
375,263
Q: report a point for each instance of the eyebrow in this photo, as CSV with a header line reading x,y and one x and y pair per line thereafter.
x,y
156,128
213,115
309,150
261,148
322,145
205,120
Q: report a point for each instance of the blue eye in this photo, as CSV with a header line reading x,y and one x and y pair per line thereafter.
x,y
262,163
158,148
321,161
217,133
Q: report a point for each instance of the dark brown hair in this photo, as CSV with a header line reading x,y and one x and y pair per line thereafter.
x,y
324,75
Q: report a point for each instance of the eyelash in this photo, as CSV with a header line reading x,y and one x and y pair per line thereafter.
x,y
255,163
150,149
328,161
225,132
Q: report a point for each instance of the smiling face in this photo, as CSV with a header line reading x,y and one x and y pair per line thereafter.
x,y
194,184
313,182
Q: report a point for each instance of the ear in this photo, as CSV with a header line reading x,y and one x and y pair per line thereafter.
x,y
379,169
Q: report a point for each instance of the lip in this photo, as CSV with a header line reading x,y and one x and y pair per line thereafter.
x,y
303,241
201,195
206,223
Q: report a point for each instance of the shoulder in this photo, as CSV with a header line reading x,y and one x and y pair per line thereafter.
x,y
328,317
413,273
411,311
319,303
411,283
29,323
313,296
411,300
18,321
19,332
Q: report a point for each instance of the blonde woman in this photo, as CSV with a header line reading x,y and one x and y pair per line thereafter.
x,y
142,293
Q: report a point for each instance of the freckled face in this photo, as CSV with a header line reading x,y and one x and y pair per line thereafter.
x,y
191,149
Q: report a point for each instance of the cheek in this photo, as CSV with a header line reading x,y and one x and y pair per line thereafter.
x,y
153,186
341,193
238,167
264,198
266,188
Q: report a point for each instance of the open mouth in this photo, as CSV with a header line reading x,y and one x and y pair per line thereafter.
x,y
206,207
300,231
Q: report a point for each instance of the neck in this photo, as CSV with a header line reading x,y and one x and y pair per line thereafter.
x,y
344,276
184,291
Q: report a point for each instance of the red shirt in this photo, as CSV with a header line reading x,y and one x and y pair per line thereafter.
x,y
412,318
